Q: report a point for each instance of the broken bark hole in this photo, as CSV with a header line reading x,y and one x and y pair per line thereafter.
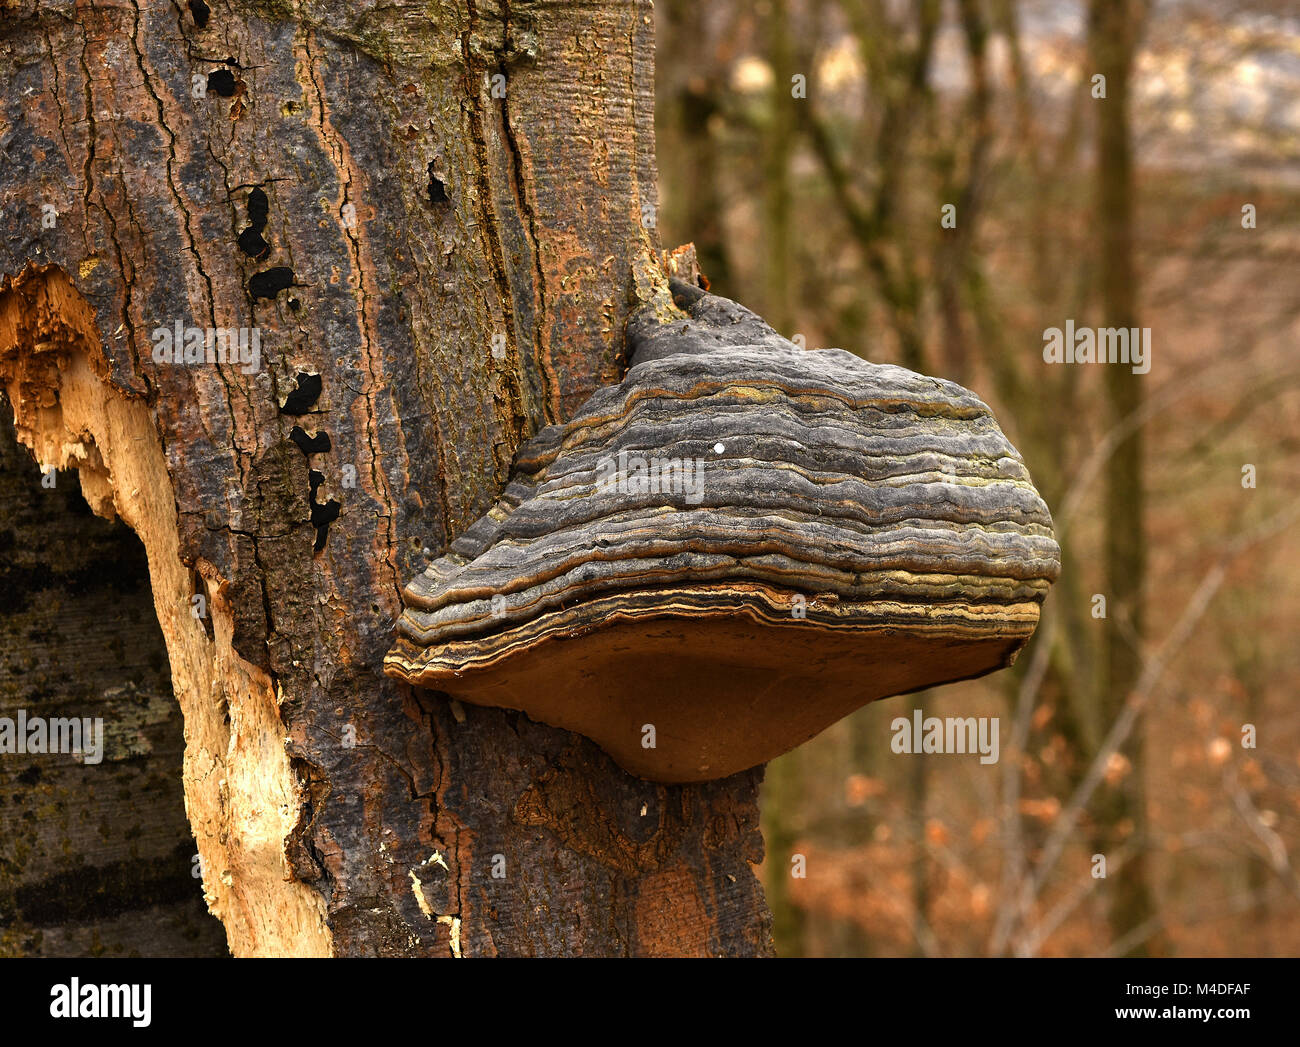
x,y
309,445
241,791
437,191
251,241
270,282
258,208
252,244
223,83
111,877
322,515
303,397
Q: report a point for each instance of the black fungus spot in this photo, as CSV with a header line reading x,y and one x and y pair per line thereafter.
x,y
437,191
222,81
294,304
269,283
318,444
321,515
200,11
301,400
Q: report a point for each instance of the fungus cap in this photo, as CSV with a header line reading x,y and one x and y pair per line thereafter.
x,y
735,546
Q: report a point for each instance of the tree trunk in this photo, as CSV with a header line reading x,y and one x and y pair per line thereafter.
x,y
437,227
1121,807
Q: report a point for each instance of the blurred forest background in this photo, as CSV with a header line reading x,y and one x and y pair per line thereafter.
x,y
808,148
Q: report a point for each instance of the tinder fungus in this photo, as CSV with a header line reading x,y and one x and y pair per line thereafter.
x,y
734,547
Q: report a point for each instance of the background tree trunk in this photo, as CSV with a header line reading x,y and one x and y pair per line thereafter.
x,y
1114,28
456,228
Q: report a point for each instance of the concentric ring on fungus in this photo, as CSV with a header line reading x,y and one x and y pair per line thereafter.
x,y
737,545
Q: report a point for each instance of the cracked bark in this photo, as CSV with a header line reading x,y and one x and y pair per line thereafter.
x,y
336,811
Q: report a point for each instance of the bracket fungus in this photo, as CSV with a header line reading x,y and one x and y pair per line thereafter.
x,y
734,547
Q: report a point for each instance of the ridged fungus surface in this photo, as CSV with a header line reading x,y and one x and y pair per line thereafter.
x,y
737,545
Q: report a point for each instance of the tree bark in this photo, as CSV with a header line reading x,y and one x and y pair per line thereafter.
x,y
438,225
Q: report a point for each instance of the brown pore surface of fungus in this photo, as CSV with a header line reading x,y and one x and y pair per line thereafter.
x,y
737,545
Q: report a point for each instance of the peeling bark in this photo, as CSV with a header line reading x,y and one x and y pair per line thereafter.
x,y
433,217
